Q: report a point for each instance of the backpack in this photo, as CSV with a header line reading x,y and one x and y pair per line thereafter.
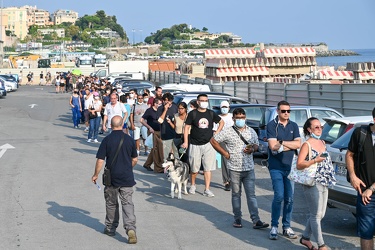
x,y
362,137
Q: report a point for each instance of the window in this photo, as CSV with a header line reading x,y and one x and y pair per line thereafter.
x,y
299,116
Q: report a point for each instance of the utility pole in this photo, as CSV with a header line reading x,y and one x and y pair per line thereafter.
x,y
140,31
133,30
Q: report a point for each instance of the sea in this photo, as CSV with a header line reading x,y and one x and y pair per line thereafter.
x,y
365,55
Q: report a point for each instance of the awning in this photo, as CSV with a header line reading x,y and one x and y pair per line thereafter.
x,y
249,71
290,52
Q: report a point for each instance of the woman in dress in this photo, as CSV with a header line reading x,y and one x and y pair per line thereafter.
x,y
95,107
75,103
317,195
57,84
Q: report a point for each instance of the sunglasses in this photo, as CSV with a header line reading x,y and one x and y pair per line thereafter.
x,y
285,111
318,127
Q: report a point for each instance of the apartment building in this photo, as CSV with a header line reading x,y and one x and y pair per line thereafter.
x,y
67,16
38,17
17,20
60,32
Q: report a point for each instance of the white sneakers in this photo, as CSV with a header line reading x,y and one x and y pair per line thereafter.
x,y
93,140
89,140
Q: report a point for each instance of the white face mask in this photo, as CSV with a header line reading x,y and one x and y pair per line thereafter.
x,y
131,96
118,90
145,100
96,97
203,105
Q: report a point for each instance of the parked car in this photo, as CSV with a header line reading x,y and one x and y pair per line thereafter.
x,y
254,113
298,114
342,195
9,82
334,127
138,85
3,91
214,99
184,87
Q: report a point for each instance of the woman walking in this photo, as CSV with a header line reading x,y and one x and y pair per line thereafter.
x,y
95,108
75,103
316,196
57,84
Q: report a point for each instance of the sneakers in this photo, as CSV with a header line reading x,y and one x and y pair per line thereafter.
x,y
227,186
89,140
109,233
208,193
86,129
289,233
96,141
132,237
237,223
138,152
260,224
75,126
273,233
148,168
192,189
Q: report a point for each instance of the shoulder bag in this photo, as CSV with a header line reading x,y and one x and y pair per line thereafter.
x,y
304,176
92,115
107,169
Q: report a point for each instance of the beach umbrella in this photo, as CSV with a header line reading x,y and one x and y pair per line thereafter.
x,y
76,72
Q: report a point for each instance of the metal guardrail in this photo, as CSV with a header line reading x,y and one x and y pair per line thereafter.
x,y
350,99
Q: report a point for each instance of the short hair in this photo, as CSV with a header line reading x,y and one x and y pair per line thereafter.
x,y
168,96
157,88
155,100
123,99
116,121
239,111
283,102
144,94
201,95
373,113
307,125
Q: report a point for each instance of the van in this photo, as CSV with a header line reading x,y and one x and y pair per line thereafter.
x,y
298,114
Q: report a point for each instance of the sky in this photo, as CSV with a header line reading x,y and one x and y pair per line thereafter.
x,y
342,24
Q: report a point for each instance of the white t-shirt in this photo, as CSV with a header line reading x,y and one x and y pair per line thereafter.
x,y
111,111
88,101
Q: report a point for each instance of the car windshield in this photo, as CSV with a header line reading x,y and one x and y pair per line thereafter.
x,y
343,141
332,130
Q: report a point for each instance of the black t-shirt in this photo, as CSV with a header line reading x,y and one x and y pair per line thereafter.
x,y
151,117
166,131
121,171
201,125
366,170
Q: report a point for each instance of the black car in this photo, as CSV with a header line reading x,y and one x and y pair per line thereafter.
x,y
138,85
254,113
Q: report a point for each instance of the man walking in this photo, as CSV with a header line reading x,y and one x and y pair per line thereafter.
x,y
360,161
138,110
122,178
112,109
240,164
200,124
283,139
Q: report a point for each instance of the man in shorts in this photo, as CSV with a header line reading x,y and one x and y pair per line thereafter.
x,y
200,124
138,110
360,161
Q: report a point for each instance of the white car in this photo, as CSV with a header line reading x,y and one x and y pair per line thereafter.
x,y
9,85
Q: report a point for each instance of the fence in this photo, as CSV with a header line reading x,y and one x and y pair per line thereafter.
x,y
349,99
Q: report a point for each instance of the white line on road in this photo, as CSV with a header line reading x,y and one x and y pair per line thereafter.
x,y
33,105
4,148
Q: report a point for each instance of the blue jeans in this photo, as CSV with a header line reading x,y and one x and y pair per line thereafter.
x,y
283,190
365,218
247,178
94,128
76,115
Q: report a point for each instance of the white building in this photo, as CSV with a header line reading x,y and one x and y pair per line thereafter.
x,y
187,42
107,33
64,16
60,32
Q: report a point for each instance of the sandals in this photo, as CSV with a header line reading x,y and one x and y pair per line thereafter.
x,y
307,239
260,224
237,224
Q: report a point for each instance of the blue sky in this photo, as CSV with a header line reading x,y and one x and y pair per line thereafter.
x,y
342,24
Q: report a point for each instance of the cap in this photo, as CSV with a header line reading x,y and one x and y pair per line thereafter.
x,y
224,104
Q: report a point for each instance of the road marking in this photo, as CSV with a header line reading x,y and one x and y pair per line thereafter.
x,y
33,105
39,88
4,148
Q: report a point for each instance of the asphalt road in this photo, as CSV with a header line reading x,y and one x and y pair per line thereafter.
x,y
49,202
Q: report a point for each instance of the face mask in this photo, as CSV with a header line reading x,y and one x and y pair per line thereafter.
x,y
119,90
96,97
145,100
240,123
224,110
203,105
131,95
108,92
315,136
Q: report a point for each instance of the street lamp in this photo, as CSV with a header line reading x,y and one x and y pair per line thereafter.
x,y
133,30
141,36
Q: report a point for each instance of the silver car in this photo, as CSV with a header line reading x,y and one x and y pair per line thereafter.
x,y
12,85
298,114
342,195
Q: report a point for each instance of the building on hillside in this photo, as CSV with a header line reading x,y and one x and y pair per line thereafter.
x,y
64,16
107,33
60,32
77,45
37,16
263,65
206,35
17,22
187,42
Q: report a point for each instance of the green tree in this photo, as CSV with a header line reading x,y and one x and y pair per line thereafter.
x,y
204,29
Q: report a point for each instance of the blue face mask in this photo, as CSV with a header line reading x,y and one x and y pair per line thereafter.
x,y
315,136
224,110
240,123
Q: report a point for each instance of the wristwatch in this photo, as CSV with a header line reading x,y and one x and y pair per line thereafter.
x,y
281,142
372,188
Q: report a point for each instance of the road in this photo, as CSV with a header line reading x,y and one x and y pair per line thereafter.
x,y
49,202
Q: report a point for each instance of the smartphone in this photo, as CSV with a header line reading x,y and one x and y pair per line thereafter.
x,y
324,155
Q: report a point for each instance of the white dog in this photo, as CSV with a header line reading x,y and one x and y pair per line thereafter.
x,y
178,173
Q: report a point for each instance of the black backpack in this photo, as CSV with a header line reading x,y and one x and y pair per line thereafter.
x,y
362,138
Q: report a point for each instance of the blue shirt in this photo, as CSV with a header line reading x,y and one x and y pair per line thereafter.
x,y
276,130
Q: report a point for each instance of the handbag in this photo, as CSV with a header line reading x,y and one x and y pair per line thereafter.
x,y
304,176
107,169
92,115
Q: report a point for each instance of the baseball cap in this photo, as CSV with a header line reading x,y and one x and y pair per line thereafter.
x,y
224,104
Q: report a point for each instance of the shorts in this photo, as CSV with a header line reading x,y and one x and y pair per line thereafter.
x,y
125,125
86,115
202,154
144,132
365,218
137,133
